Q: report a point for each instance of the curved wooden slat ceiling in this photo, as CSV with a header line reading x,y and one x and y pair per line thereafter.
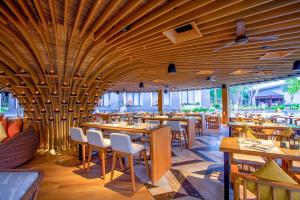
x,y
59,56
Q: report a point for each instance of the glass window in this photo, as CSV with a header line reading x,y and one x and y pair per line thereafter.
x,y
129,99
141,99
197,97
106,99
9,105
136,98
191,97
184,97
166,98
154,99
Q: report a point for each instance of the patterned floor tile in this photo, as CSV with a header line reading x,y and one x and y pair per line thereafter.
x,y
196,173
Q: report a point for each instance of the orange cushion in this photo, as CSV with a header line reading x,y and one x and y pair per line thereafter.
x,y
4,123
15,128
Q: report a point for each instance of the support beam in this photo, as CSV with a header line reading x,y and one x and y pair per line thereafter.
x,y
160,101
225,103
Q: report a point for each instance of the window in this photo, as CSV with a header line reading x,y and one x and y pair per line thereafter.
x,y
184,97
154,99
141,99
106,99
166,98
191,97
129,99
136,99
197,97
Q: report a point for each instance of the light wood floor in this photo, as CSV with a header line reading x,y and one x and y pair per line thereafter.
x,y
65,179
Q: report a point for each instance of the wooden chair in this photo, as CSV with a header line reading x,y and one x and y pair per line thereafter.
x,y
79,138
213,122
243,179
97,142
198,126
122,146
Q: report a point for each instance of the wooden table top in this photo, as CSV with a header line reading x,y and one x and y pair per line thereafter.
x,y
231,145
166,118
137,128
113,114
263,125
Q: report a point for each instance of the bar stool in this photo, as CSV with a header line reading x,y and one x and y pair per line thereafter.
x,y
79,138
122,146
177,132
97,142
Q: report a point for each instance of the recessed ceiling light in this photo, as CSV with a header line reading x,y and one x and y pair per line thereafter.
x,y
205,72
240,72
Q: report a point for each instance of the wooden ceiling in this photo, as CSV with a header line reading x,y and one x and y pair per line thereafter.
x,y
115,44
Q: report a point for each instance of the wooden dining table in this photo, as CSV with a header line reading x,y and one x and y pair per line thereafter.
x,y
159,139
189,123
255,125
230,145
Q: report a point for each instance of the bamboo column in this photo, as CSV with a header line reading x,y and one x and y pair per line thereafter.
x,y
225,103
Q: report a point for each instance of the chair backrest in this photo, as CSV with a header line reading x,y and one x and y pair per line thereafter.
x,y
121,142
95,137
175,125
77,134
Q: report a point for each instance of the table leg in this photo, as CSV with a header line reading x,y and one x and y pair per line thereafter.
x,y
226,175
290,120
230,131
80,151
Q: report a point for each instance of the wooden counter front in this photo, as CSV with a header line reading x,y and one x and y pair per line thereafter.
x,y
160,145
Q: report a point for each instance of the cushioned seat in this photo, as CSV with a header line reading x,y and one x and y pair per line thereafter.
x,y
19,184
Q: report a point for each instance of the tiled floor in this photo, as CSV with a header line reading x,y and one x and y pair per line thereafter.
x,y
196,173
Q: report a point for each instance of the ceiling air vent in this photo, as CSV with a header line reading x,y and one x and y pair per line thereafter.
x,y
183,33
184,28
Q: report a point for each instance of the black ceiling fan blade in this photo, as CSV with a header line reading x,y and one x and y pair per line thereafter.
x,y
223,47
262,39
240,28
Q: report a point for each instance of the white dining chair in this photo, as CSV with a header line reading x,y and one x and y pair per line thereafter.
x,y
78,137
97,142
122,146
177,131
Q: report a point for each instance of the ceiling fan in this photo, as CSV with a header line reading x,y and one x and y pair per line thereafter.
x,y
243,38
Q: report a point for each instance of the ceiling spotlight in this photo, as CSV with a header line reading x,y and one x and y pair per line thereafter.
x,y
126,29
296,66
165,91
118,92
141,85
171,68
208,78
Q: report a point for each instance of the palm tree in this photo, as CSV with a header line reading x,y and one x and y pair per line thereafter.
x,y
292,87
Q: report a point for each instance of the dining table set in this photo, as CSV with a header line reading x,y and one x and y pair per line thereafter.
x,y
287,150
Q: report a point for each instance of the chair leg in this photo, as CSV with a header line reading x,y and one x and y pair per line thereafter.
x,y
89,158
103,156
83,155
146,163
121,162
130,159
185,139
113,166
180,141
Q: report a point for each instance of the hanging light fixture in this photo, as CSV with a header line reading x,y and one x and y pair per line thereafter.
x,y
141,85
296,66
172,68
